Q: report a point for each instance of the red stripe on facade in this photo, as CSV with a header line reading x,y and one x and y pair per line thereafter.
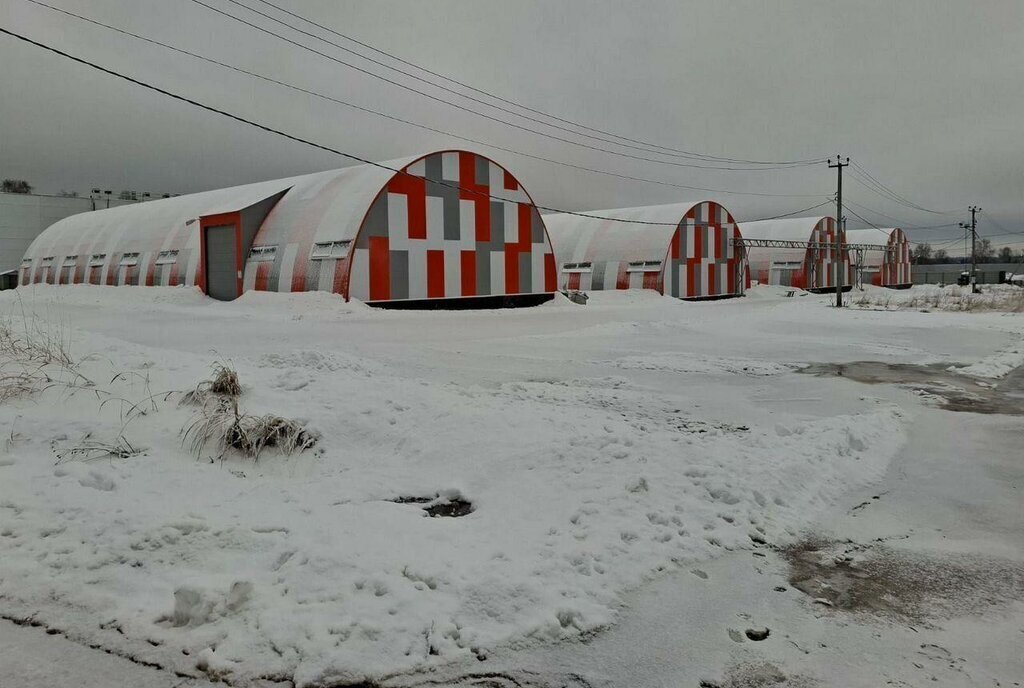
x,y
262,281
468,264
114,263
435,274
550,273
151,269
712,280
622,277
510,182
467,175
415,190
379,268
525,227
511,269
652,280
572,283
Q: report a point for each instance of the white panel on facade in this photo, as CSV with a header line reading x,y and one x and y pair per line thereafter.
x,y
450,166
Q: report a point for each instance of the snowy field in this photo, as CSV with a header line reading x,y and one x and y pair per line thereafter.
x,y
602,450
1000,297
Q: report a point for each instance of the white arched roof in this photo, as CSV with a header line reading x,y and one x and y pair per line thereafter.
x,y
601,239
145,226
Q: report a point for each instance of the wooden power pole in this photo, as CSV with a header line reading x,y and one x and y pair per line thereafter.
x,y
837,252
974,240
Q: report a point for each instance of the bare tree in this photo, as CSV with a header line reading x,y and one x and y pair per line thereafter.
x,y
16,186
941,256
923,254
984,251
1005,254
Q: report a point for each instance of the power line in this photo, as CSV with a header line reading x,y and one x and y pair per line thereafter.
x,y
999,226
401,120
860,168
667,150
298,139
854,213
477,112
900,223
795,212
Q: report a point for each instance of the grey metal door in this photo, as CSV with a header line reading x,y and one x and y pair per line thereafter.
x,y
221,263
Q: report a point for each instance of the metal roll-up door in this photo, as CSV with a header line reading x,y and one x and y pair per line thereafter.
x,y
221,262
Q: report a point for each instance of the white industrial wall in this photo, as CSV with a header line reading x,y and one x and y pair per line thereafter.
x,y
23,217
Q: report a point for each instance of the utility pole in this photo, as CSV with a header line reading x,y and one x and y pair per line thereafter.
x,y
837,252
974,237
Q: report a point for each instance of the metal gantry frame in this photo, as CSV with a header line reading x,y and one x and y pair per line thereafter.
x,y
742,243
783,243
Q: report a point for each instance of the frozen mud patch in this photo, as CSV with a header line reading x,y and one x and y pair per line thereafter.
x,y
687,363
952,389
899,585
757,675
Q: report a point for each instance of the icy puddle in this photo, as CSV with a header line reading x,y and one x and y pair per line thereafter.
x,y
954,391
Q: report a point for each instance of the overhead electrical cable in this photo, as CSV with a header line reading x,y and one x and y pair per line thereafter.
x,y
659,148
299,139
407,122
795,212
882,189
899,223
463,108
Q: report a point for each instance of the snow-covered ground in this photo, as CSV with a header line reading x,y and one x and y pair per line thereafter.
x,y
605,449
1002,297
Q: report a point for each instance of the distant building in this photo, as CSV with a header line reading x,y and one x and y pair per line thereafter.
x,y
809,266
23,217
946,273
891,268
683,250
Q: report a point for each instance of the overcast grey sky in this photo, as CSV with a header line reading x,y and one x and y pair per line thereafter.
x,y
927,95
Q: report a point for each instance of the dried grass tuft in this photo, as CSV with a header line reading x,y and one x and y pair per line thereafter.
x,y
90,449
221,423
34,358
224,383
997,297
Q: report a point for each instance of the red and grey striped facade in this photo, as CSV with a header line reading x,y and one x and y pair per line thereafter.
x,y
890,268
811,267
448,225
684,250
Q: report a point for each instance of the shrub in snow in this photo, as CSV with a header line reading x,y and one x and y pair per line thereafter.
x,y
222,423
224,383
33,358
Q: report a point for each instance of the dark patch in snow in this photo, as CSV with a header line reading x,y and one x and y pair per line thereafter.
x,y
757,633
440,506
491,679
901,585
450,508
757,675
955,392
